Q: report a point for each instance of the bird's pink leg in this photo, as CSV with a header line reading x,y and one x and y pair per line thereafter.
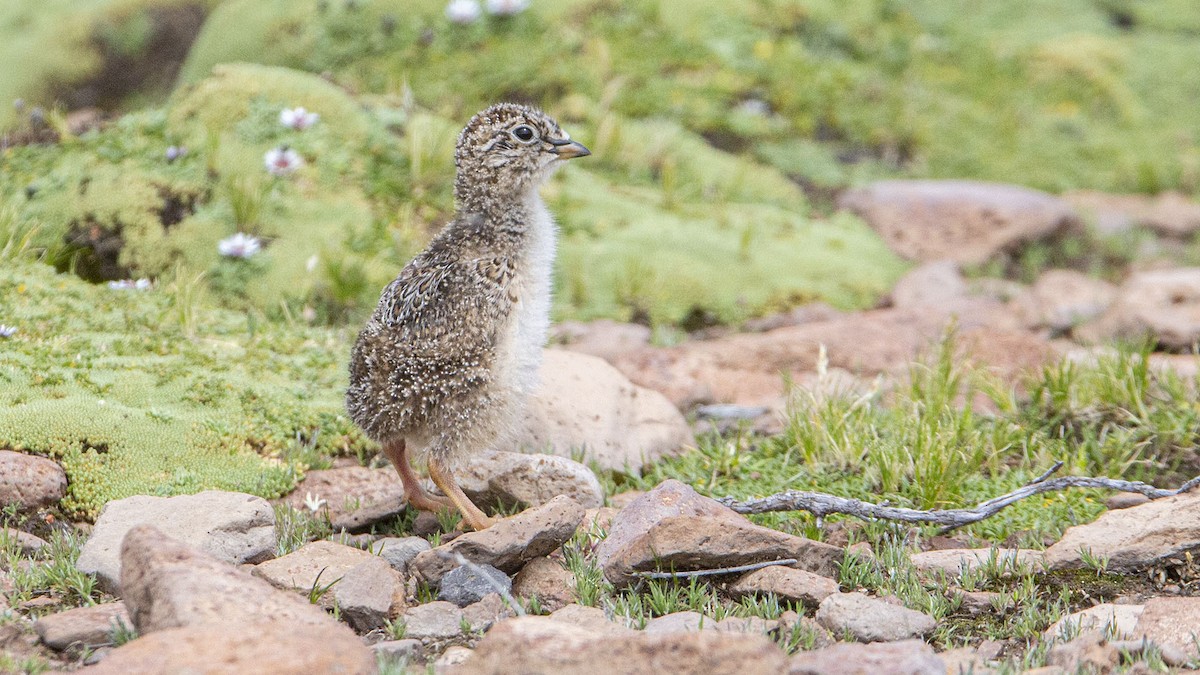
x,y
478,520
414,494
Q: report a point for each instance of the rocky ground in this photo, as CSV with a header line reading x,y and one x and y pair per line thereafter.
x,y
339,577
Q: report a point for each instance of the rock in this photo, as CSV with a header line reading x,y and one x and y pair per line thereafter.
x,y
30,482
785,582
1125,500
966,221
29,544
1063,299
964,661
1172,623
746,624
546,645
584,403
230,526
433,621
83,626
452,657
599,520
369,594
1106,618
907,657
978,603
321,564
546,580
483,614
168,584
351,497
954,561
515,479
934,284
399,551
673,527
1088,653
871,619
604,338
406,650
508,544
680,622
465,585
1134,538
1169,213
1163,305
262,647
593,619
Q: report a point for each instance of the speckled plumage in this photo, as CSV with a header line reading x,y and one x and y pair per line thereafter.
x,y
445,362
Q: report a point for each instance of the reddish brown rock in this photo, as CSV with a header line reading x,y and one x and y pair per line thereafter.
x,y
83,626
1162,305
1134,538
786,583
908,657
872,619
1169,213
1171,622
350,497
30,482
515,479
604,338
546,580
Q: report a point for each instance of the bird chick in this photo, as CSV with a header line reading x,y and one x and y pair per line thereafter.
x,y
443,366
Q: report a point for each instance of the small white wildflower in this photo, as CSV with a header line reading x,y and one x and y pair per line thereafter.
x,y
298,118
463,12
282,161
142,284
7,331
312,263
174,152
240,245
506,7
313,502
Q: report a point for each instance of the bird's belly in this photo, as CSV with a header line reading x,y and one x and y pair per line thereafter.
x,y
527,337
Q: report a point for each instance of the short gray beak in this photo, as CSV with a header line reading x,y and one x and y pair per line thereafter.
x,y
569,149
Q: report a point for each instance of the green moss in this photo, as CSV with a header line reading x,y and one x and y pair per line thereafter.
x,y
110,384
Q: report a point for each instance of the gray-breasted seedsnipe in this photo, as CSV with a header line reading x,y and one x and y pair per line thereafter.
x,y
444,365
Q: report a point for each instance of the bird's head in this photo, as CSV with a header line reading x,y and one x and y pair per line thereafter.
x,y
509,150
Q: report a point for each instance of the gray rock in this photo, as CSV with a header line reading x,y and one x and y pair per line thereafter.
x,y
30,482
515,479
1171,623
368,594
508,544
872,620
82,626
910,657
467,584
400,551
433,621
230,526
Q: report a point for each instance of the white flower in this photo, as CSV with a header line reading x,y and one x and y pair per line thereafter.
x,y
506,7
130,285
463,12
312,263
298,118
282,161
313,502
7,331
240,245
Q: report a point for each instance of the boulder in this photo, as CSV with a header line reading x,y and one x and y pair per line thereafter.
x,y
871,619
230,526
584,404
969,222
369,594
30,482
399,551
672,527
351,497
1135,538
937,284
516,479
508,544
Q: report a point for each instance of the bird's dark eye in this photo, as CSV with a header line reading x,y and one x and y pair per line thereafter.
x,y
523,133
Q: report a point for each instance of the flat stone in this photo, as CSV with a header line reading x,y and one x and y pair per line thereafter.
x,y
513,479
484,614
315,565
786,583
508,544
546,580
586,404
549,646
433,621
1125,500
1171,622
1135,538
230,526
871,619
451,658
1107,618
351,497
406,650
592,619
30,482
168,584
468,584
907,657
83,626
954,561
263,647
399,551
680,622
674,528
369,594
